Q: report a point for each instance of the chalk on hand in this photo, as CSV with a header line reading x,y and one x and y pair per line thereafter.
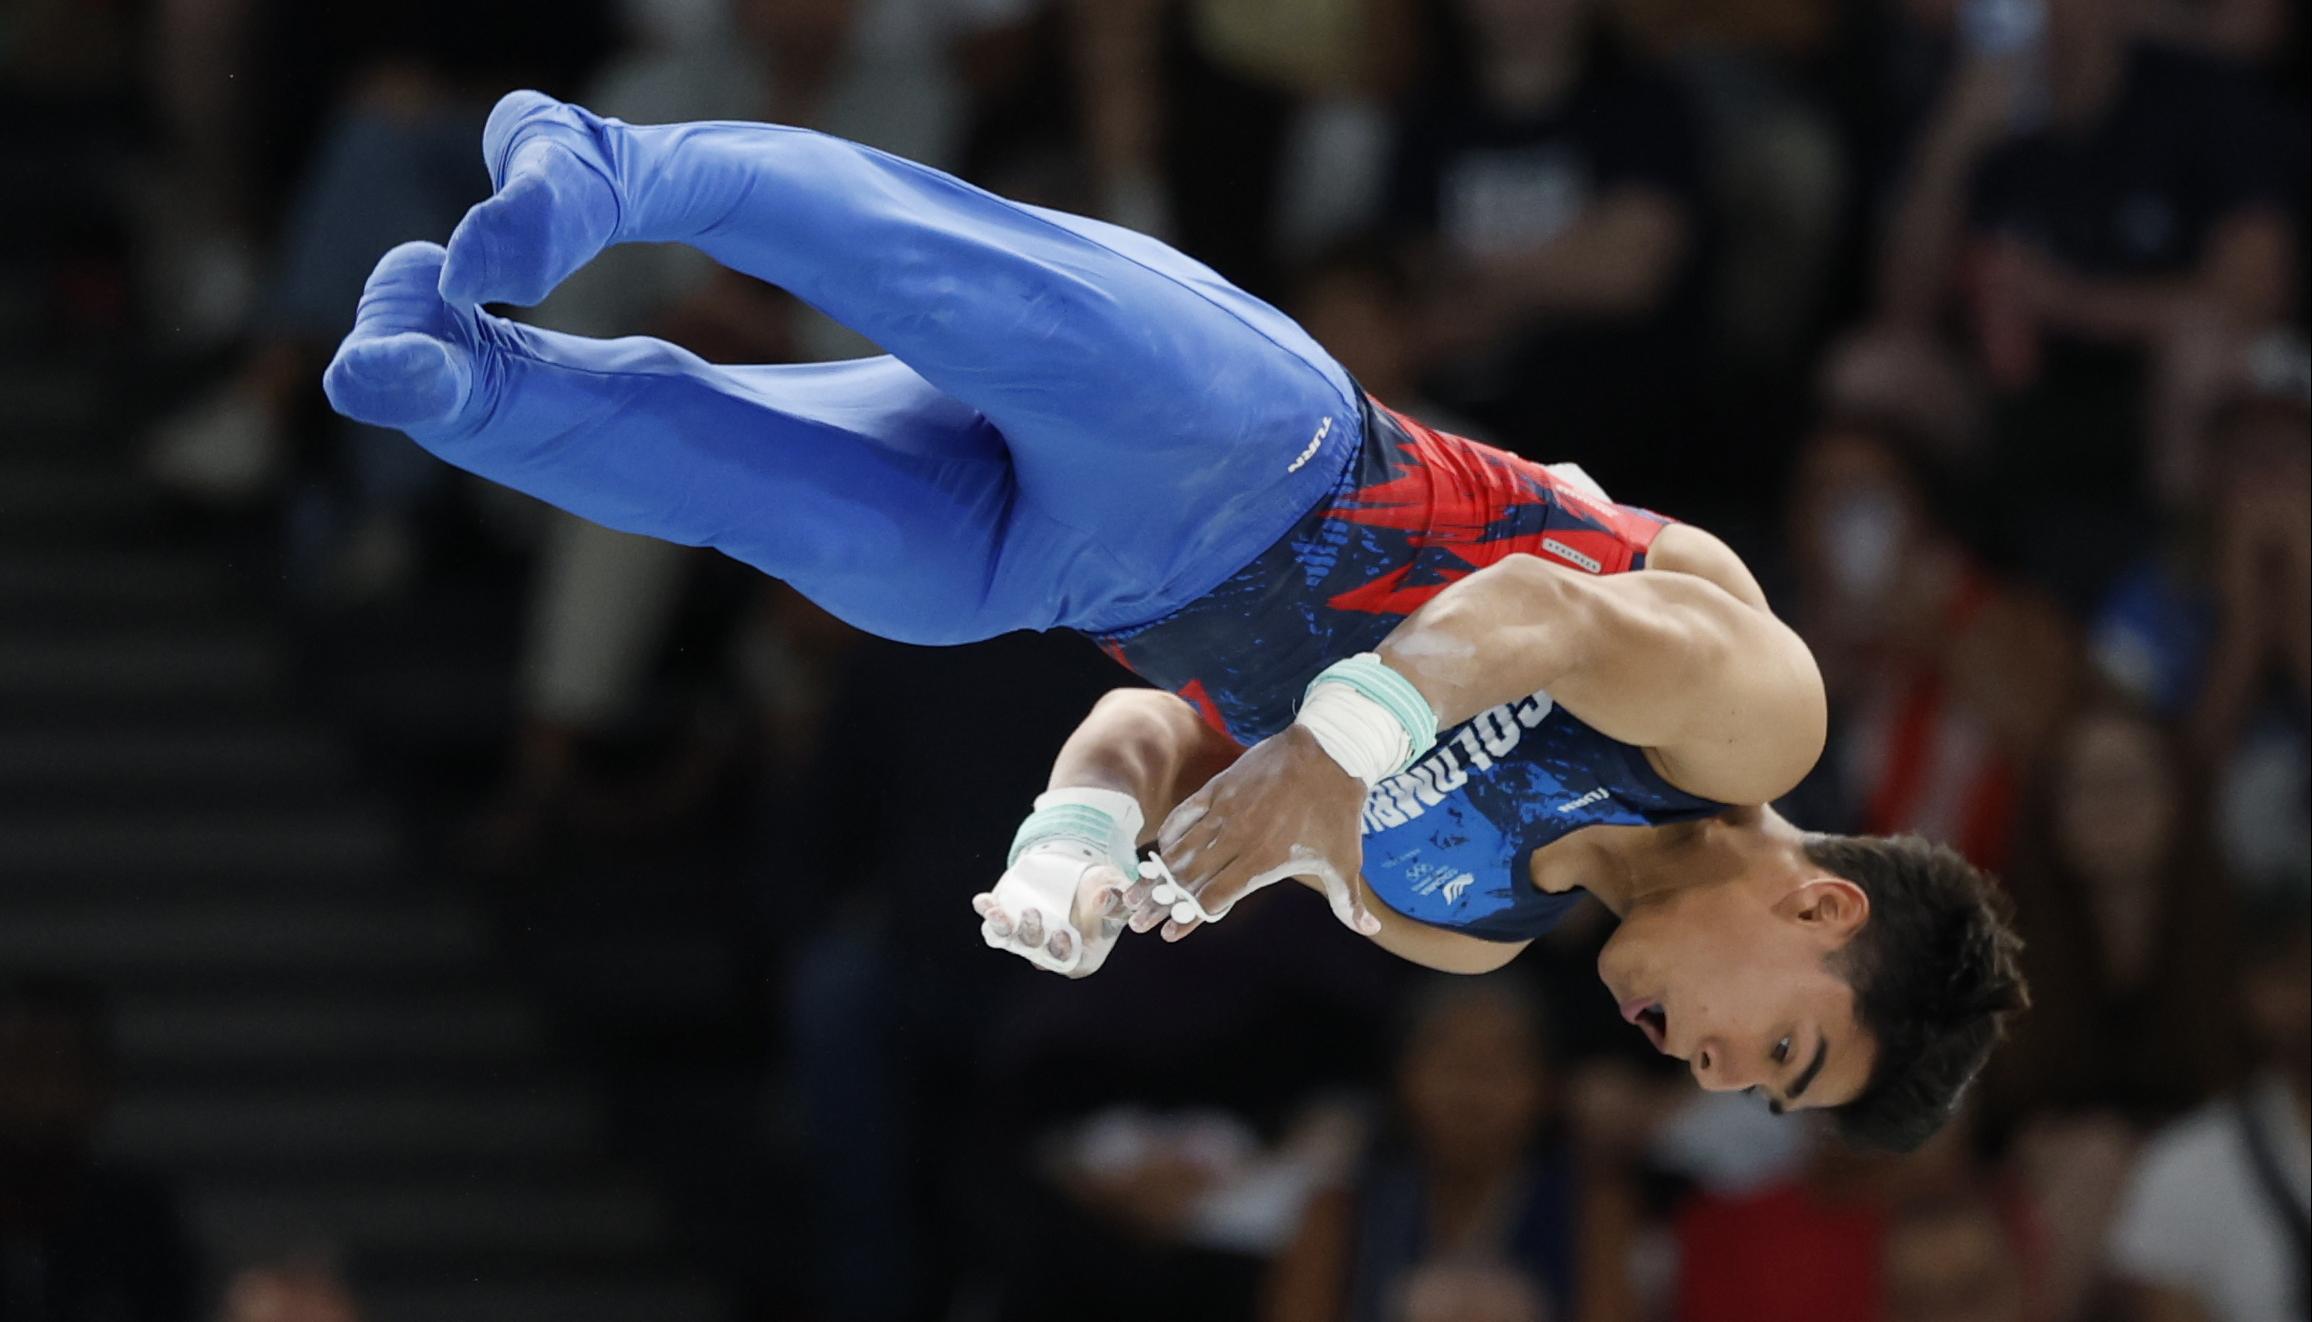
x,y
1169,892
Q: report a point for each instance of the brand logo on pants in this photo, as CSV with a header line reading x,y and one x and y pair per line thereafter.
x,y
1326,429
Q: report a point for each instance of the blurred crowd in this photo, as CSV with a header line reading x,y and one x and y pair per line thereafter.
x,y
1976,325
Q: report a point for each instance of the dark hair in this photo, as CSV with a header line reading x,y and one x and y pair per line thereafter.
x,y
1937,974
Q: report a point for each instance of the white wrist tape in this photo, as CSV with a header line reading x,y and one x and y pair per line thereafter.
x,y
1368,718
1108,821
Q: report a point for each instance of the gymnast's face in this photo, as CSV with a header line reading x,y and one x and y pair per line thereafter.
x,y
1736,980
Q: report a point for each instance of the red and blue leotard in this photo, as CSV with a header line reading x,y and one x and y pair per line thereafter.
x,y
1449,841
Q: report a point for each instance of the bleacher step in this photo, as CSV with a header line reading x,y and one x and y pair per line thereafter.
x,y
238,1131
151,845
450,1216
167,1037
180,666
247,941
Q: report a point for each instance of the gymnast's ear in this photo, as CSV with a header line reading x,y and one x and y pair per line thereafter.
x,y
1831,905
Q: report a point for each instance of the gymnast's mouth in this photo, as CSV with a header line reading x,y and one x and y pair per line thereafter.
x,y
1652,1020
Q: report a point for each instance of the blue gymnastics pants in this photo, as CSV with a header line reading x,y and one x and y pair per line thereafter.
x,y
1075,425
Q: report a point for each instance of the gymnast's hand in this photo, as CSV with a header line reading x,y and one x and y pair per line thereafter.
x,y
1284,809
1060,907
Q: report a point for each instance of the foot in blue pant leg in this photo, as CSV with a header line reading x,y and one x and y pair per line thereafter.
x,y
553,210
410,361
880,498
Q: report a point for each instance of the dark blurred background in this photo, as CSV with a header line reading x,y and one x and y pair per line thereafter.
x,y
418,906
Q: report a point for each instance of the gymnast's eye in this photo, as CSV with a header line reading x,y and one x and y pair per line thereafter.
x,y
1782,1052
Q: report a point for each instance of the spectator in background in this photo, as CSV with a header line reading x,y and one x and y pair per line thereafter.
x,y
2232,486
1945,681
2125,911
2249,722
2154,193
1850,1235
1739,1253
1552,191
2114,195
2127,916
1953,1259
2217,1224
2115,187
1474,1176
79,1240
1191,112
1178,1157
2213,629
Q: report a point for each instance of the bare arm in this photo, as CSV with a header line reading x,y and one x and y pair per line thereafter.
x,y
1693,668
2244,278
1069,882
1928,228
1145,743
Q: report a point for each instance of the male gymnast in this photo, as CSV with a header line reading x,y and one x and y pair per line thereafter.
x,y
1451,689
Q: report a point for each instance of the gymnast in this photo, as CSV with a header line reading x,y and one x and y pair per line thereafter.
x,y
1452,690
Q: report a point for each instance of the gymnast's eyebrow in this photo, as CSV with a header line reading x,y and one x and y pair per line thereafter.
x,y
1805,1077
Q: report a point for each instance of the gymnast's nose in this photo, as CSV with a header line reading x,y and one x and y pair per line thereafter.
x,y
1712,1069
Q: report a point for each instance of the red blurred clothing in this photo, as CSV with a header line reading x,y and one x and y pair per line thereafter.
x,y
1813,1250
1922,759
1788,1254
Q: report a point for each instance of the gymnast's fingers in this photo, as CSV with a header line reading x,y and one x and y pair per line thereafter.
x,y
1181,821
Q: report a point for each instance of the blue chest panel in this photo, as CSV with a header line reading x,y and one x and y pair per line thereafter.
x,y
1450,842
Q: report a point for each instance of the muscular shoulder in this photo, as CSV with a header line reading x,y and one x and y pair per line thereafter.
x,y
1767,679
1682,548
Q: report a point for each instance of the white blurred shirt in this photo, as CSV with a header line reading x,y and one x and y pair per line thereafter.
x,y
2196,1220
